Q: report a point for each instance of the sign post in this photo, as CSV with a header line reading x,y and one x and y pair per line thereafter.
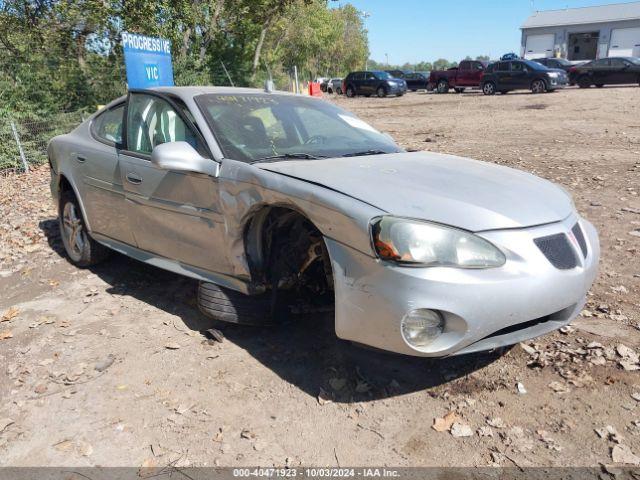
x,y
147,61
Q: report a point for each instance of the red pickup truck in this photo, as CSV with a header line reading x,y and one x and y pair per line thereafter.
x,y
467,75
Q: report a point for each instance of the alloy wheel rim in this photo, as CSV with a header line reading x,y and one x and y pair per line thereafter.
x,y
72,226
488,88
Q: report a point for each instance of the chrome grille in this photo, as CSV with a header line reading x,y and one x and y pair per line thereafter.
x,y
558,251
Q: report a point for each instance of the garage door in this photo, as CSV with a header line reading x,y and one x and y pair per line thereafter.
x,y
539,46
625,42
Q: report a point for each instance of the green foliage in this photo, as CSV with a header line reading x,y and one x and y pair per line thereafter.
x,y
440,64
65,55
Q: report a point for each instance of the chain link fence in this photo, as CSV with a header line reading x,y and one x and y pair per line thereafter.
x,y
23,143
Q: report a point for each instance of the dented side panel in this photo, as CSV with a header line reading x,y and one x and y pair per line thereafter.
x,y
245,189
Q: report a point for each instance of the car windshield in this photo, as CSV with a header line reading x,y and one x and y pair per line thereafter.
x,y
382,75
534,65
263,126
563,61
634,60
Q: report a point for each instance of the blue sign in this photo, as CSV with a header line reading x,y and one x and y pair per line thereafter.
x,y
147,60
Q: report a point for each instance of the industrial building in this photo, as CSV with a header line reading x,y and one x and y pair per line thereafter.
x,y
583,33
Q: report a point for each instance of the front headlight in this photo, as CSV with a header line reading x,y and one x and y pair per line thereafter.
x,y
554,74
421,243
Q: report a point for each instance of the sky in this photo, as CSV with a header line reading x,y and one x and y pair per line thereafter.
x,y
416,30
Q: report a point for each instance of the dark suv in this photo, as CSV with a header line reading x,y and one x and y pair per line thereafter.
x,y
522,75
373,83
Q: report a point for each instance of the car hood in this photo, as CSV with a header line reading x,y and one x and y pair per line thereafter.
x,y
451,190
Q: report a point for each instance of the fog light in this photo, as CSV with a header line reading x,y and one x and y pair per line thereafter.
x,y
421,327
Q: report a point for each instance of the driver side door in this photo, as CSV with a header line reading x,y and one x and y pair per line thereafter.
x,y
173,214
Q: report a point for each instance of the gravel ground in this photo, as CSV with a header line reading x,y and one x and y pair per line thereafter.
x,y
107,366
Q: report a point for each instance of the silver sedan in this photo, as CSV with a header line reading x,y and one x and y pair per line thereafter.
x,y
282,204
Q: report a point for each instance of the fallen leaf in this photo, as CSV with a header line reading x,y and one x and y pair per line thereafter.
x,y
4,423
496,422
623,454
459,429
105,363
6,334
63,446
172,346
247,434
444,424
10,314
40,389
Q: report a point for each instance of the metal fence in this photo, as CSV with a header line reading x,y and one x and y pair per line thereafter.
x,y
24,143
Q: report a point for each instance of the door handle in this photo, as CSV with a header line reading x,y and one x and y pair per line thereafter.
x,y
134,178
81,158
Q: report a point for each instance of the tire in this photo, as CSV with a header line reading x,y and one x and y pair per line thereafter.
x,y
459,90
504,92
599,85
538,86
229,306
82,250
339,91
584,82
330,91
489,88
381,92
351,93
443,86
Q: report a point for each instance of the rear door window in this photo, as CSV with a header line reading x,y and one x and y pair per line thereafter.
x,y
108,125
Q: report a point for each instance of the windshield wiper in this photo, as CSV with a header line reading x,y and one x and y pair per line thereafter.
x,y
366,152
286,156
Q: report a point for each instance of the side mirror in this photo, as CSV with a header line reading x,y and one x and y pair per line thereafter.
x,y
182,157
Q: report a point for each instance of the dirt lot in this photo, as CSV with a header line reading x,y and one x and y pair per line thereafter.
x,y
107,366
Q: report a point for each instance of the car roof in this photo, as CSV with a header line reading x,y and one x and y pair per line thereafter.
x,y
190,92
185,93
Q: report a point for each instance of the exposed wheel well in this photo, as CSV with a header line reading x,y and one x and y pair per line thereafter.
x,y
65,185
287,254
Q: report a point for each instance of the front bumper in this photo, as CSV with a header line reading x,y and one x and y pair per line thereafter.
x,y
483,309
560,82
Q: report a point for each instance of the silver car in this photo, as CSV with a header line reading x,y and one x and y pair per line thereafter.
x,y
282,204
335,86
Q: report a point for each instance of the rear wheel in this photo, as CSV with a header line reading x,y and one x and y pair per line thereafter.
x,y
443,86
584,82
351,92
227,305
538,86
381,92
82,250
459,90
489,88
330,91
339,91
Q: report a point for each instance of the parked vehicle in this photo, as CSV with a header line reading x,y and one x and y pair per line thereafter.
x,y
555,63
369,83
397,73
504,77
607,71
274,201
416,81
335,86
466,75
